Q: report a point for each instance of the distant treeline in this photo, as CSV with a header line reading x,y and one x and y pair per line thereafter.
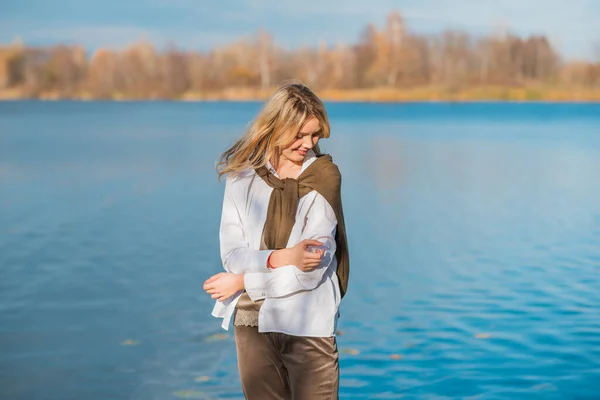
x,y
385,60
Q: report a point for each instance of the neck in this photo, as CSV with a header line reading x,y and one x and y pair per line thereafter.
x,y
286,168
287,163
283,162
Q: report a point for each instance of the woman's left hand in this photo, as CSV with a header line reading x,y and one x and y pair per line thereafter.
x,y
224,285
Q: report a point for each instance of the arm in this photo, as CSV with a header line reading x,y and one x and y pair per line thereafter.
x,y
321,225
239,259
236,255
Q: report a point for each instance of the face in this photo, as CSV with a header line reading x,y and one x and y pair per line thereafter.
x,y
306,139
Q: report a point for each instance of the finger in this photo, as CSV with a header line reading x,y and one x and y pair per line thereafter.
x,y
212,278
211,291
222,298
315,260
312,256
216,296
310,266
311,242
208,286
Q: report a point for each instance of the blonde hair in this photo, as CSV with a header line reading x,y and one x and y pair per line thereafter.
x,y
276,126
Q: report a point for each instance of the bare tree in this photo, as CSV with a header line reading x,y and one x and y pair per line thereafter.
x,y
394,33
264,58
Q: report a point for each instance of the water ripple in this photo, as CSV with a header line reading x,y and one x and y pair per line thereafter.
x,y
476,264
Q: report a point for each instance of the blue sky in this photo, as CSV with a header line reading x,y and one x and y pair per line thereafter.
x,y
573,26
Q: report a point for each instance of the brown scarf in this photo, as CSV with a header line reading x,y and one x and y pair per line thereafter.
x,y
324,177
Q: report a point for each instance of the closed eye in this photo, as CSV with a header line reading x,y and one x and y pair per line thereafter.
x,y
315,134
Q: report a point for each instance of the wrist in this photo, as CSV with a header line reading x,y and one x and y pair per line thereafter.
x,y
269,261
276,259
241,284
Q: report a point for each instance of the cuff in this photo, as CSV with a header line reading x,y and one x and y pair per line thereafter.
x,y
254,285
263,257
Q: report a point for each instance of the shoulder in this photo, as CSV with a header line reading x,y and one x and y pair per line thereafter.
x,y
240,177
329,172
239,181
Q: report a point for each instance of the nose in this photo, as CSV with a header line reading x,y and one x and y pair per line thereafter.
x,y
308,142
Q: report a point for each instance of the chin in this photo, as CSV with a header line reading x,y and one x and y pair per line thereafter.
x,y
294,156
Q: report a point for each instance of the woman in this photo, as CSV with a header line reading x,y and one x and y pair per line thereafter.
x,y
283,245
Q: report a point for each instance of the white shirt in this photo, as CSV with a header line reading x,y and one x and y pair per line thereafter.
x,y
295,302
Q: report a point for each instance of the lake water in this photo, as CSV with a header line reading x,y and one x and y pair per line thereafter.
x,y
474,233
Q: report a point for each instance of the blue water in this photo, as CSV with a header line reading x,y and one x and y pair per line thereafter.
x,y
474,233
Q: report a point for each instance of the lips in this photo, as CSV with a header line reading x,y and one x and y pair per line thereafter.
x,y
301,152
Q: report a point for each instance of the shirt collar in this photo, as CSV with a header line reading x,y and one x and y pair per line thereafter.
x,y
310,157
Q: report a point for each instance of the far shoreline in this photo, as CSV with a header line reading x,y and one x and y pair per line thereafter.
x,y
330,101
476,94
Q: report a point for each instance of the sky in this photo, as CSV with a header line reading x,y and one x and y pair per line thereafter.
x,y
573,26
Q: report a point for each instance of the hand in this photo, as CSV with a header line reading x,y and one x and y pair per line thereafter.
x,y
299,256
224,285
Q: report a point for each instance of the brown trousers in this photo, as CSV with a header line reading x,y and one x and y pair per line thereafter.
x,y
276,366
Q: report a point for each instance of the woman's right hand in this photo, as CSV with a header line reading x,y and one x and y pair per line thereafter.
x,y
299,256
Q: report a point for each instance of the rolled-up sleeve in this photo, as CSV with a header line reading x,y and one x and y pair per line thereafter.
x,y
321,225
236,255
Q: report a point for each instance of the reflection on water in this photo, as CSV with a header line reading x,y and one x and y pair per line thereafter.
x,y
474,232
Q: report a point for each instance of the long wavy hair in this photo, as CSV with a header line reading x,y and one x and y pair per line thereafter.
x,y
275,127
